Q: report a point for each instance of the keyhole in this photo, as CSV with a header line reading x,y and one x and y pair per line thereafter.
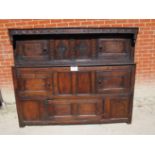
x,y
99,82
44,51
100,49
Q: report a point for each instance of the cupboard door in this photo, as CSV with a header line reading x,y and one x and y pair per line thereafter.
x,y
33,83
114,81
32,50
115,49
75,109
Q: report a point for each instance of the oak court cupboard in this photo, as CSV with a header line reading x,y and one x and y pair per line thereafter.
x,y
73,75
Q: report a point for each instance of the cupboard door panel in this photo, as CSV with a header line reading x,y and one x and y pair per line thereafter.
x,y
33,83
115,48
114,81
34,50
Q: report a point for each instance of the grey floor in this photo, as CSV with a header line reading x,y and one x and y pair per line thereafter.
x,y
143,121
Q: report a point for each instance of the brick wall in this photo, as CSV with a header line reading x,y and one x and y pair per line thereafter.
x,y
145,47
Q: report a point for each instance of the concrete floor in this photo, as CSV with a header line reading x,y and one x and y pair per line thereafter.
x,y
143,120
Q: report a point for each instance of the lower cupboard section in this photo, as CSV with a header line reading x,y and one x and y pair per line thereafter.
x,y
75,111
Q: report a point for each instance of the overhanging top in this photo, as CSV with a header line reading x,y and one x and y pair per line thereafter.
x,y
57,31
46,31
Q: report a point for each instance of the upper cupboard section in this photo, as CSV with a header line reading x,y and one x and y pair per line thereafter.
x,y
74,49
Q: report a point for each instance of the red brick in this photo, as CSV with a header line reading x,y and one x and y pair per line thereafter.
x,y
44,22
123,21
145,46
62,25
74,24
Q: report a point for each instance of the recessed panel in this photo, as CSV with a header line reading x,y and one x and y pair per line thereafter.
x,y
84,82
30,110
35,84
61,49
83,48
87,108
64,82
114,45
33,50
119,107
113,81
59,108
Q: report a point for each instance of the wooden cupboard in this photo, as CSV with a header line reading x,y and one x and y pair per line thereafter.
x,y
74,75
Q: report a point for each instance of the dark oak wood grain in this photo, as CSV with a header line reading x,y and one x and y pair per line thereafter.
x,y
49,92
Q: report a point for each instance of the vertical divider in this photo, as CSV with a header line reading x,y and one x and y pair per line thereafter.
x,y
93,82
55,82
74,83
107,107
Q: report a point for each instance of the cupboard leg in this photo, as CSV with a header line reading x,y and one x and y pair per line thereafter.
x,y
21,125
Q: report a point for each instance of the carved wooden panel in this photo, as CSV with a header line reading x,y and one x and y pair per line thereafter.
x,y
61,49
65,49
85,48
